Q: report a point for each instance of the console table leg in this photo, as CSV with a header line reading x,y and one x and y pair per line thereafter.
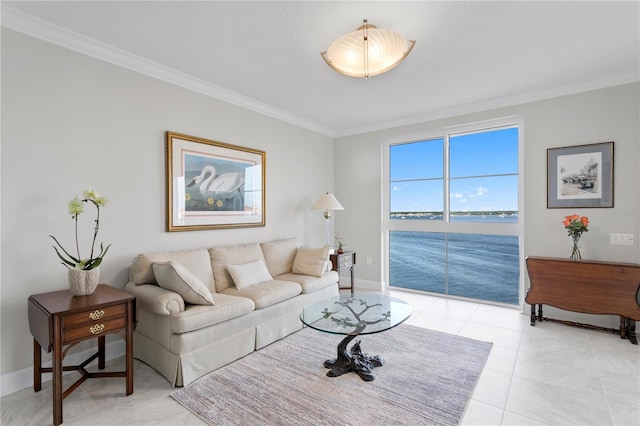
x,y
101,352
37,365
129,349
352,277
632,331
57,371
540,312
533,315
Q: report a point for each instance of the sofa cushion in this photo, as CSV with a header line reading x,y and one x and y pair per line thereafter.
x,y
248,274
175,277
196,261
196,317
279,255
310,283
311,261
267,293
231,255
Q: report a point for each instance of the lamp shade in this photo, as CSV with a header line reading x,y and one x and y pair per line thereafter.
x,y
328,202
367,52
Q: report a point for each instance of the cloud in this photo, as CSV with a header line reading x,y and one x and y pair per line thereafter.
x,y
395,188
479,192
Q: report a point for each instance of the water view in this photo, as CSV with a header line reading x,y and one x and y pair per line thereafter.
x,y
477,266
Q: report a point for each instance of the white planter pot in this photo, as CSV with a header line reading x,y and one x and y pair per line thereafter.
x,y
83,283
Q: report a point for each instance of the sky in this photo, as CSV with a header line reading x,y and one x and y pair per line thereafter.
x,y
483,173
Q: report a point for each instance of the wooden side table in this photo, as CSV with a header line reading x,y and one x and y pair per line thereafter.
x,y
59,319
343,263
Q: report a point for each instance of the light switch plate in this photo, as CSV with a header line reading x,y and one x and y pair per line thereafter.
x,y
622,239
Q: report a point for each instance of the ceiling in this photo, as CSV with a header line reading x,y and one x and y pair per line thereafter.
x,y
265,56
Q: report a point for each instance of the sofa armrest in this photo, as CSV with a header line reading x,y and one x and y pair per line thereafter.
x,y
156,299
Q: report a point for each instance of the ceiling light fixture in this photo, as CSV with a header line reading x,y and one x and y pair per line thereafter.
x,y
368,51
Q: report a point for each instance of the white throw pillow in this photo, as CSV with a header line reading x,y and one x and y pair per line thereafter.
x,y
311,261
279,255
175,277
248,274
231,255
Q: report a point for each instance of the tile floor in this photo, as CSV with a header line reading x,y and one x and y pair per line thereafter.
x,y
549,374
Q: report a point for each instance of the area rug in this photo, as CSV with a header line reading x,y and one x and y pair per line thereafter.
x,y
427,379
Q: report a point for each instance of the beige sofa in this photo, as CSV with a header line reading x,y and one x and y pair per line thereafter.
x,y
201,309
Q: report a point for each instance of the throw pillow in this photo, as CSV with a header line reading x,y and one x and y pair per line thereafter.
x,y
175,277
197,261
311,261
279,255
248,274
231,255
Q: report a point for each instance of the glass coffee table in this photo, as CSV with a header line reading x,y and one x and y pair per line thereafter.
x,y
354,316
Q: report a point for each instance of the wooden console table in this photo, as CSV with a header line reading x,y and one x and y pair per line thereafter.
x,y
60,319
590,287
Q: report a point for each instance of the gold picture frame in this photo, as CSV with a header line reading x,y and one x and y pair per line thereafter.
x,y
213,185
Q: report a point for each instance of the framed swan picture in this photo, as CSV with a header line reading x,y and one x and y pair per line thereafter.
x,y
213,185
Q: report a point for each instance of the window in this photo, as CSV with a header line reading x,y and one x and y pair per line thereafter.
x,y
417,179
453,216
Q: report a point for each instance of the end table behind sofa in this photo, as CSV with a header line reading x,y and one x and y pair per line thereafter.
x,y
343,264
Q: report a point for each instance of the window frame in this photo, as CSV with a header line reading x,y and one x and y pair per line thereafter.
x,y
445,225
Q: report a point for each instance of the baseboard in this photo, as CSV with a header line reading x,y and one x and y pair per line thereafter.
x,y
368,285
22,379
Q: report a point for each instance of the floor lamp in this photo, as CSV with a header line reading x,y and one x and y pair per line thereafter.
x,y
328,203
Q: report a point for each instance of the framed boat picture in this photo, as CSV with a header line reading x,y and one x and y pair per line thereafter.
x,y
213,185
580,176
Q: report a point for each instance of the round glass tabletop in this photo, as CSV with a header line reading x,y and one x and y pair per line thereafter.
x,y
357,314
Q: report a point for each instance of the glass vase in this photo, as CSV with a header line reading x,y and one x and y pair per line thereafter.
x,y
575,248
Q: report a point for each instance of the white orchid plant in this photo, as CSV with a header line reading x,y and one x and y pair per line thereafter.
x,y
76,206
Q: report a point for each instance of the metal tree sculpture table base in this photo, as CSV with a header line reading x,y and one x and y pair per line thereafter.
x,y
353,360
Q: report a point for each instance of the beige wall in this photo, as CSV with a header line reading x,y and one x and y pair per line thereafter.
x,y
70,122
598,116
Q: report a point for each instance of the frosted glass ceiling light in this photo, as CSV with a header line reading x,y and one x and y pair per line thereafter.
x,y
368,51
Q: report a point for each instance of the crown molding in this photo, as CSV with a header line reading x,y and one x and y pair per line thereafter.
x,y
38,28
503,102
